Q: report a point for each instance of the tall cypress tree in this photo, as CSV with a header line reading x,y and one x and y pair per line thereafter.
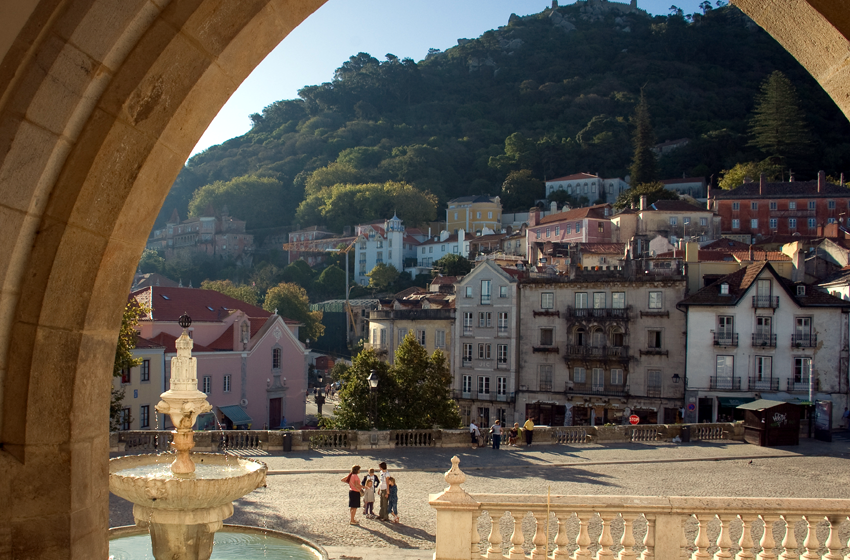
x,y
778,126
643,169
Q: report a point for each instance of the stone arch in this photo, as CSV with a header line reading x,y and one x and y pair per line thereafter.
x,y
100,105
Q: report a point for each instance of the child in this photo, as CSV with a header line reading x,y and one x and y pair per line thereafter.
x,y
373,476
392,503
369,498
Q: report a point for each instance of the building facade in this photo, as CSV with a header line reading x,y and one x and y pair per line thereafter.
x,y
601,346
434,249
754,334
672,219
214,235
476,214
484,364
142,385
581,225
383,243
432,327
592,187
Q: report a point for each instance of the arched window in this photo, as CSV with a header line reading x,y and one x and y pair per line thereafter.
x,y
617,338
276,358
580,337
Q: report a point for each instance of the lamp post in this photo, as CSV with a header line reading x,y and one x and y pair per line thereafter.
x,y
373,385
320,398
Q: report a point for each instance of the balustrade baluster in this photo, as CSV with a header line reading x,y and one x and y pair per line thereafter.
x,y
702,543
789,542
474,549
811,543
517,539
724,540
768,543
495,538
833,542
628,539
605,539
583,540
561,538
746,541
541,545
649,539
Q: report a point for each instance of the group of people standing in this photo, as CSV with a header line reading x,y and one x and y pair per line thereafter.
x,y
496,433
374,484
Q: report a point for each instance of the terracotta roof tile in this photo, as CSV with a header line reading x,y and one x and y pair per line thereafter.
x,y
167,341
727,245
225,341
142,342
573,177
603,248
206,306
797,189
676,206
761,255
577,214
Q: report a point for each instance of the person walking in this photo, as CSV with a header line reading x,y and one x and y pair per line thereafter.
x,y
354,486
528,428
496,432
474,433
383,493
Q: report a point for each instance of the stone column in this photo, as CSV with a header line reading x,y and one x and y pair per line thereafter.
x,y
457,514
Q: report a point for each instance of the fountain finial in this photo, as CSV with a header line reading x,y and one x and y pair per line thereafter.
x,y
185,321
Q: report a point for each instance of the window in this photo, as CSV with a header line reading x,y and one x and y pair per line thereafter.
x,y
792,223
485,292
774,223
468,292
420,337
502,353
578,227
226,387
653,379
545,372
616,376
454,249
537,233
579,375
754,205
830,204
467,354
618,300
725,327
736,206
653,339
145,416
380,244
618,338
207,384
489,215
275,358
674,220
581,300
724,289
686,220
830,220
383,334
145,371
502,322
547,300
801,290
401,334
764,368
442,249
772,205
547,336
547,232
467,383
483,385
484,351
557,231
485,319
600,227
503,290
599,300
597,379
655,300
736,223
501,385
124,418
754,224
811,205
803,328
467,322
478,215
802,370
431,249
812,222
568,228
440,339
126,377
703,222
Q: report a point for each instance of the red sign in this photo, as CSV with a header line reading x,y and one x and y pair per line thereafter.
x,y
634,419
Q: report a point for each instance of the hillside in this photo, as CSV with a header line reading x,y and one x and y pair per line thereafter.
x,y
552,93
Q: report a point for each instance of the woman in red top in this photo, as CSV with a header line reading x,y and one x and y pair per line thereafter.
x,y
353,481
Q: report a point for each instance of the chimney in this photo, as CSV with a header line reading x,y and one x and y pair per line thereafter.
x,y
691,251
821,180
751,257
708,196
643,202
842,178
762,181
534,216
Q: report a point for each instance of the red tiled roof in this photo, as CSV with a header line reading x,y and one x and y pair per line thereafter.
x,y
727,245
676,206
167,341
207,306
576,214
603,248
142,342
445,280
225,341
796,189
573,177
761,255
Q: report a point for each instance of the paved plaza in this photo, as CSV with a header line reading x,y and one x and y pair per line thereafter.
x,y
305,495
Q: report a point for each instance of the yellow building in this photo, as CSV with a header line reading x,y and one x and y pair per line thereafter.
x,y
474,214
429,316
142,386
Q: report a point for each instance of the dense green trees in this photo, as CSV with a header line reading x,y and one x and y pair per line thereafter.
x,y
521,190
752,170
652,191
453,265
290,301
124,360
382,276
228,288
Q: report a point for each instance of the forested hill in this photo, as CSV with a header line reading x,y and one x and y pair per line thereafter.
x,y
552,93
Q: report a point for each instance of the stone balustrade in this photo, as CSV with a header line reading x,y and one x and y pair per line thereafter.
x,y
151,441
510,526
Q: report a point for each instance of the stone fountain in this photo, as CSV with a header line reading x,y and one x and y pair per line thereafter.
x,y
182,498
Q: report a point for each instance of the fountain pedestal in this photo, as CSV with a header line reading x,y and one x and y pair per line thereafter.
x,y
181,534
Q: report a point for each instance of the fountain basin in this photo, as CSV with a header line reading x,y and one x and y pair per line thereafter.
x,y
233,542
146,481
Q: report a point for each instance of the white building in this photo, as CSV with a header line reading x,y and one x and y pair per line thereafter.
x,y
385,243
593,187
438,247
753,334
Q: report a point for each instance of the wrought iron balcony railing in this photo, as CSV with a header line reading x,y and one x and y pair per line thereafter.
x,y
764,340
725,383
764,384
804,340
769,302
725,339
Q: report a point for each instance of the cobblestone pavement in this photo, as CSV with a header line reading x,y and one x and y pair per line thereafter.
x,y
307,497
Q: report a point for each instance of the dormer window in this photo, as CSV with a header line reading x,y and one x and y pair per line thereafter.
x,y
801,290
724,289
210,308
163,296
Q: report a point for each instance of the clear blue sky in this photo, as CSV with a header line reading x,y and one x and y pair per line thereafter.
x,y
341,28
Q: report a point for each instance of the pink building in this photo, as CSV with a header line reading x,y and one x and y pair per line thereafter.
x,y
250,362
581,225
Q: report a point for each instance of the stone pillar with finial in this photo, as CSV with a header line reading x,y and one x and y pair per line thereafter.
x,y
457,517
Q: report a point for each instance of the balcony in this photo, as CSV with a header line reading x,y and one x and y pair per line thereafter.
x,y
653,391
653,352
484,396
765,302
801,385
547,313
545,349
804,340
599,313
485,299
502,331
725,383
594,389
461,395
466,362
467,331
764,340
505,397
412,314
502,365
725,339
764,384
598,352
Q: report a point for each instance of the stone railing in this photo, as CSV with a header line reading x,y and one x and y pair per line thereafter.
x,y
477,526
152,441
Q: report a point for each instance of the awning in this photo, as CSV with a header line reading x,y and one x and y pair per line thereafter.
x,y
733,402
236,415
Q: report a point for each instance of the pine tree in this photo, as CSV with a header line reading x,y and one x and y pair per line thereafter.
x,y
643,169
778,125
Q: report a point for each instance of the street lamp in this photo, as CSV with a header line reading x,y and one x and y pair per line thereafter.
x,y
373,385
